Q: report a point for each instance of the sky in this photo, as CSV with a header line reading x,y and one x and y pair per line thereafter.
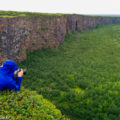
x,y
63,6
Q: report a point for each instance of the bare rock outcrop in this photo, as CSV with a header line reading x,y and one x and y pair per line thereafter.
x,y
19,34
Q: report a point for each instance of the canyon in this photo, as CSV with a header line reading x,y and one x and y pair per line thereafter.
x,y
21,34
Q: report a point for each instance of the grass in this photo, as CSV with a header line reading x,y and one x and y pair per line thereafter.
x,y
27,14
81,75
38,14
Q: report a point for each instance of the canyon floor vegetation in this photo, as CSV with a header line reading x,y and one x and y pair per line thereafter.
x,y
82,76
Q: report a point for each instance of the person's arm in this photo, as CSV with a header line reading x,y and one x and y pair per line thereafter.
x,y
15,78
16,84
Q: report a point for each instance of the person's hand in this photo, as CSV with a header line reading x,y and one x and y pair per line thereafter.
x,y
20,74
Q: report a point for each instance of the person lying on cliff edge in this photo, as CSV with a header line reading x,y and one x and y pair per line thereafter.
x,y
7,76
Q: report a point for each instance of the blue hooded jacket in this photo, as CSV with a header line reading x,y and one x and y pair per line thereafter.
x,y
7,78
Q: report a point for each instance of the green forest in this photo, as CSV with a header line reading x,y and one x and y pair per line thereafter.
x,y
80,80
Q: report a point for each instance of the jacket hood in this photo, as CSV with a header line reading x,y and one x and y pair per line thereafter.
x,y
9,67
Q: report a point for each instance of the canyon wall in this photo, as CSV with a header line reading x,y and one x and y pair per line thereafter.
x,y
19,34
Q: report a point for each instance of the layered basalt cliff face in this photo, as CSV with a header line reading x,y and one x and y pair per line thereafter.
x,y
19,34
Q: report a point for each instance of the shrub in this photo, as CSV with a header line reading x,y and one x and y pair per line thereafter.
x,y
99,103
27,105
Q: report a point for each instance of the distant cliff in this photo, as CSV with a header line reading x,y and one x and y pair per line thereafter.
x,y
19,34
